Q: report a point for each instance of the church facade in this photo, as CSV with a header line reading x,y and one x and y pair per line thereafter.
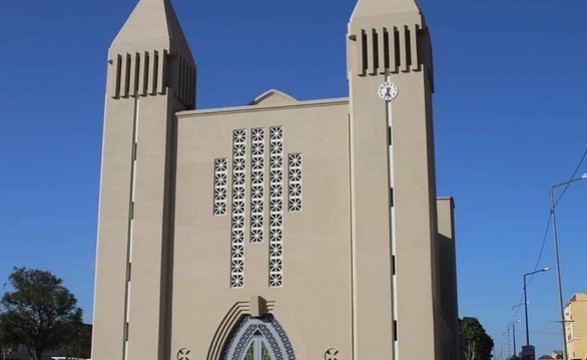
x,y
280,229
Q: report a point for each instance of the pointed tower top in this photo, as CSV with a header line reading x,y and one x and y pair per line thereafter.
x,y
368,8
152,24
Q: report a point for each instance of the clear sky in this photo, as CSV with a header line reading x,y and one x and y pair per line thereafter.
x,y
510,120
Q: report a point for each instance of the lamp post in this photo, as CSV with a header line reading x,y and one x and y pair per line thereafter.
x,y
513,324
556,258
526,301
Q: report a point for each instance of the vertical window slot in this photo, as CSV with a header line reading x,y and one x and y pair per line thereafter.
x,y
415,62
396,50
408,46
116,74
143,74
382,50
364,54
391,200
374,52
154,73
162,81
126,77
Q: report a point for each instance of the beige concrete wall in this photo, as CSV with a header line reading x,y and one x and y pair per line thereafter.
x,y
448,314
314,305
576,330
405,162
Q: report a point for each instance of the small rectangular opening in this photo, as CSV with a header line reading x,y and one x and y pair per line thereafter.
x,y
408,47
127,67
155,72
118,75
396,50
364,54
390,197
145,74
386,62
375,54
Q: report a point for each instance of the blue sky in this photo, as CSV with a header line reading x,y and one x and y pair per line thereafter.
x,y
509,109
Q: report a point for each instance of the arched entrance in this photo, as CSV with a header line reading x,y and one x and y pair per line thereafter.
x,y
258,339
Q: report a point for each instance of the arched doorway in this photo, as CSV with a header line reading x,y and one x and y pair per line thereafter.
x,y
258,339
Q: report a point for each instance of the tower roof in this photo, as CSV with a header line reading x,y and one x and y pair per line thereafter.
x,y
152,24
367,8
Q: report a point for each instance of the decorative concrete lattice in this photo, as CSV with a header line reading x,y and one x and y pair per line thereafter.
x,y
295,182
220,180
257,183
237,262
276,208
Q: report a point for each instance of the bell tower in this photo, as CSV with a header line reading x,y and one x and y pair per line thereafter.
x,y
151,76
392,153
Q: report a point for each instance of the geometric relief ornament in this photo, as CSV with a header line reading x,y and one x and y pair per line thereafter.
x,y
264,159
276,206
258,339
331,354
237,255
220,186
257,183
183,354
295,182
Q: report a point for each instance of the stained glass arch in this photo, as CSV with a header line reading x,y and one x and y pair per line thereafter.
x,y
258,339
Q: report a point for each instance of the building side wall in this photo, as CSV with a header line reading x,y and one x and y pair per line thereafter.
x,y
577,327
448,315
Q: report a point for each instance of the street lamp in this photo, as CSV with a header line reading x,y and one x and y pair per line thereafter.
x,y
556,259
526,301
513,324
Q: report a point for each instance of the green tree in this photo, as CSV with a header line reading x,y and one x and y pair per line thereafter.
x,y
79,342
478,345
40,313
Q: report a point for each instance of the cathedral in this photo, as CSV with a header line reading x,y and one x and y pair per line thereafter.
x,y
280,229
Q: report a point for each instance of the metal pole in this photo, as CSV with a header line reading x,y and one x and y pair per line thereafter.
x,y
558,272
526,302
514,336
526,312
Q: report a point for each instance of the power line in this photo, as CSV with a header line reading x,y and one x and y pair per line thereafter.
x,y
548,224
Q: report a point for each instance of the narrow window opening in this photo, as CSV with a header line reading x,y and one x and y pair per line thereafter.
x,y
129,271
389,137
118,75
394,330
397,52
155,72
364,53
386,59
393,269
127,76
408,47
391,197
145,74
137,74
375,54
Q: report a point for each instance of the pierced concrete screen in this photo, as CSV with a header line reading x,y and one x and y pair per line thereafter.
x,y
295,182
257,183
237,263
220,179
276,208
